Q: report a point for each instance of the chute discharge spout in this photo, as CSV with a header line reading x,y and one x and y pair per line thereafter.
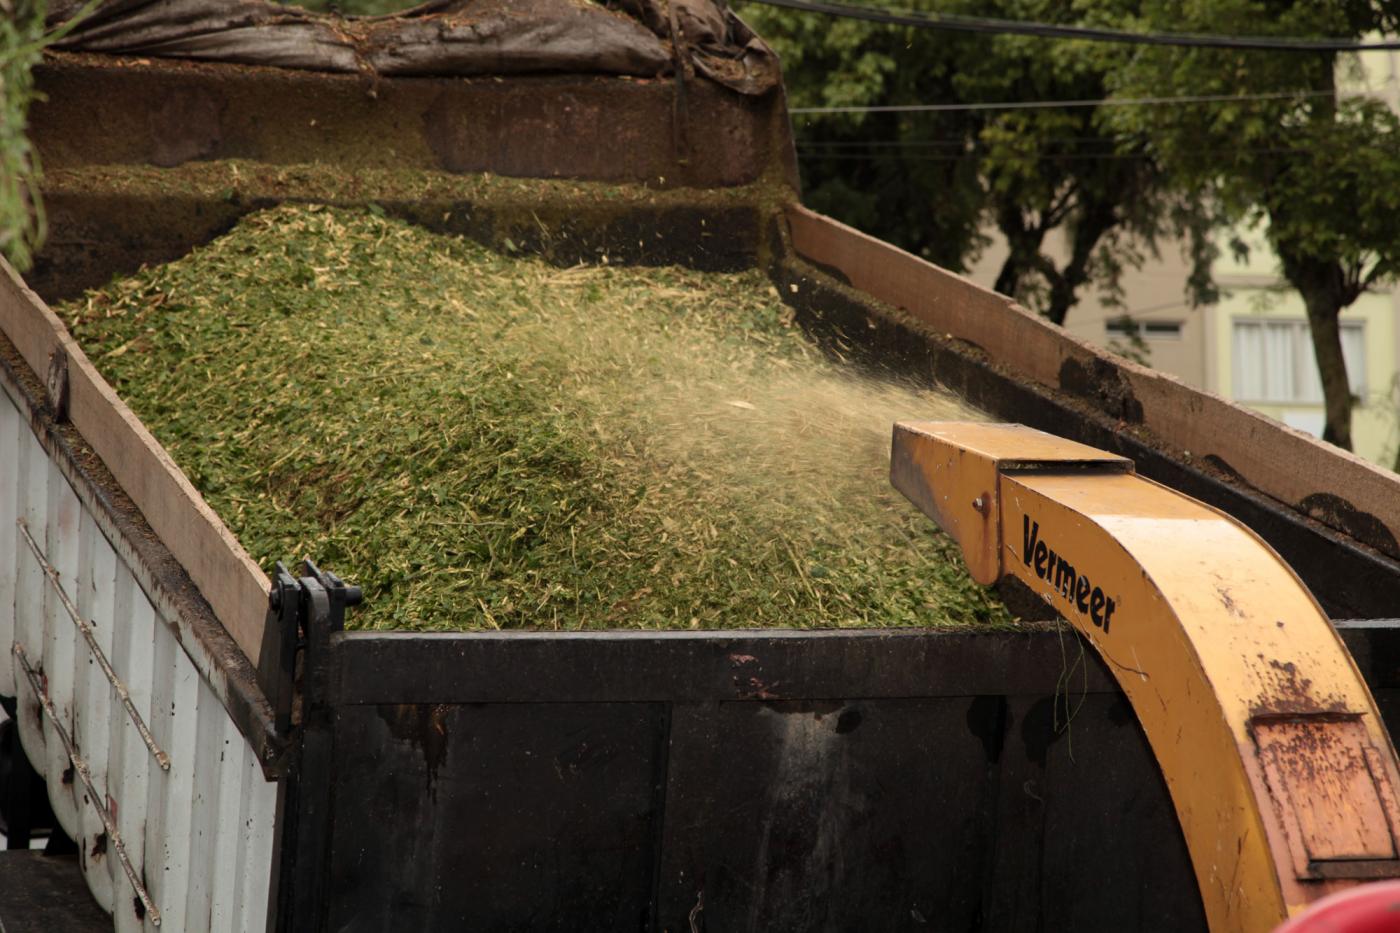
x,y
1281,771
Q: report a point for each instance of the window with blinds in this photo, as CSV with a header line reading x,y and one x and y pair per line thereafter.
x,y
1273,361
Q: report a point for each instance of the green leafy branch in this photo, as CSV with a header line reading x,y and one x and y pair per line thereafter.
x,y
23,38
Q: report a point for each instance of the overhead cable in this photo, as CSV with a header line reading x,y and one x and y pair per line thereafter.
x,y
1048,104
949,22
808,155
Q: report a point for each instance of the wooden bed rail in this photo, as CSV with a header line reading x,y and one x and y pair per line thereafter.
x,y
1329,485
234,586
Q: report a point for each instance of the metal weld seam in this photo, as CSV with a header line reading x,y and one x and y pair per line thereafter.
x,y
85,627
80,766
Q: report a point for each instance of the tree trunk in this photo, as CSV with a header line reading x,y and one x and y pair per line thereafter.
x,y
1023,241
1024,257
1324,313
1323,285
1009,279
1325,293
1095,218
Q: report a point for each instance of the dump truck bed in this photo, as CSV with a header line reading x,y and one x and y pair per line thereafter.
x,y
319,777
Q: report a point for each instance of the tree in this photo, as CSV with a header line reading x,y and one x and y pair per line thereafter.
x,y
23,38
21,214
1320,171
1063,168
907,177
933,182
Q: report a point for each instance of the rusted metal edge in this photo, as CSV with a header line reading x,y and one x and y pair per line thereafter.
x,y
85,627
373,668
215,655
114,836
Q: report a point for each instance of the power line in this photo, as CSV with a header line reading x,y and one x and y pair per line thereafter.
x,y
810,155
962,146
978,24
1135,313
945,142
1048,104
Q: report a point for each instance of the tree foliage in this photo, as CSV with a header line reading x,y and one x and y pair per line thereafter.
x,y
21,213
23,38
1318,170
909,178
1075,203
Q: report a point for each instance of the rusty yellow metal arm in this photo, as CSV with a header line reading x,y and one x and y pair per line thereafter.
x,y
1280,769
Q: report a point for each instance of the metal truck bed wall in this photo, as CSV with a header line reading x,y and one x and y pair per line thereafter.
x,y
785,781
713,781
782,781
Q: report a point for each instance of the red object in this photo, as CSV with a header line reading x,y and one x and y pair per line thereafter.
x,y
1369,908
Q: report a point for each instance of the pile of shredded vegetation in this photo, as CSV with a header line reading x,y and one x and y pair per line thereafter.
x,y
492,442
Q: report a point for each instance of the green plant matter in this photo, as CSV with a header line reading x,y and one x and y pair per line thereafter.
x,y
21,211
1319,170
488,441
1075,203
906,178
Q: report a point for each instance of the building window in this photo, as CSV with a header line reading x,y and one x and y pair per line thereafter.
x,y
1274,362
1158,330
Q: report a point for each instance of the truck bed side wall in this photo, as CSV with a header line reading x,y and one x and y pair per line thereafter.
x,y
198,836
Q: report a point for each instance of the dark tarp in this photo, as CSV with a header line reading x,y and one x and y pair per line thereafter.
x,y
440,37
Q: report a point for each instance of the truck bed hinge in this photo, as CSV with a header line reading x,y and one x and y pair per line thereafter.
x,y
302,614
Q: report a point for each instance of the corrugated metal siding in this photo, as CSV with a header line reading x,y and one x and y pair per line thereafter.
x,y
199,836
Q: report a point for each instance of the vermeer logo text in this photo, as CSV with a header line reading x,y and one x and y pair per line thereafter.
x,y
1073,584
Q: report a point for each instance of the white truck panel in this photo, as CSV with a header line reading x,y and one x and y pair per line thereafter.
x,y
197,837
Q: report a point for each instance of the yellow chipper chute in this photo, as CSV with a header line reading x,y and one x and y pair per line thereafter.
x,y
1278,764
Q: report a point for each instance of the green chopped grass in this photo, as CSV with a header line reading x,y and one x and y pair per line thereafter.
x,y
483,441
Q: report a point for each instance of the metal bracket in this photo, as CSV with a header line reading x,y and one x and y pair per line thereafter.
x,y
56,384
300,610
306,611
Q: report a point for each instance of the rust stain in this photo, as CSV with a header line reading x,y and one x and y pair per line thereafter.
x,y
759,690
1228,601
423,726
1286,692
1333,806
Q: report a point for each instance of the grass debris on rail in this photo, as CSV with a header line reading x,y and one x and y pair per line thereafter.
x,y
488,441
